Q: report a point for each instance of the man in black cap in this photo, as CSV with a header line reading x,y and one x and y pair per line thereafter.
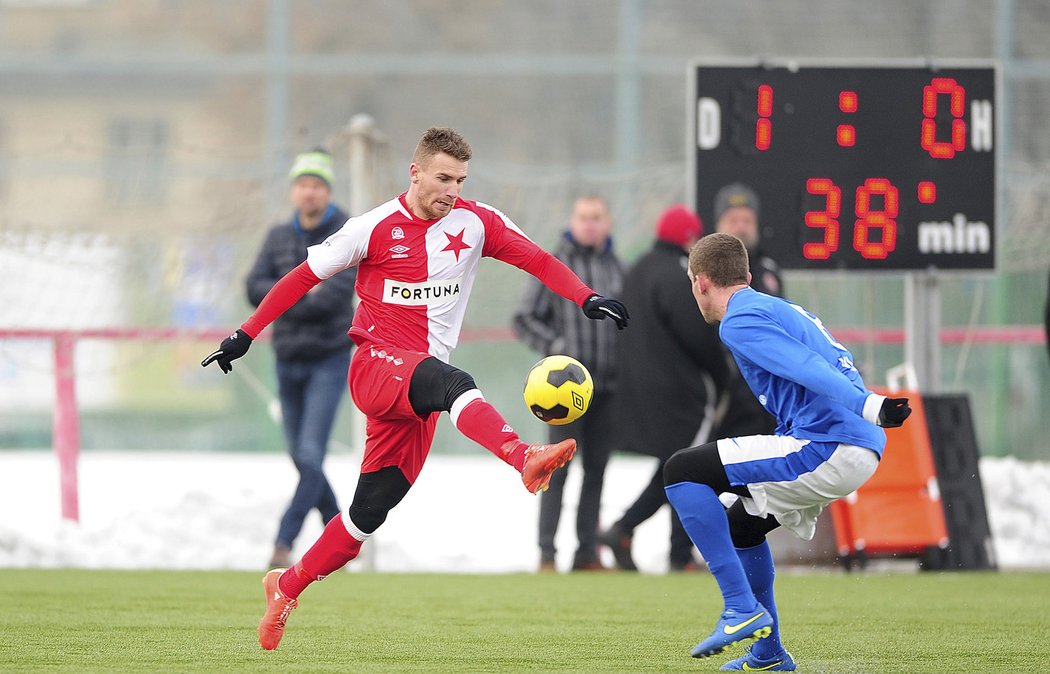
x,y
736,213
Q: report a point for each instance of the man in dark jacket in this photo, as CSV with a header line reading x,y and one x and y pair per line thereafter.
x,y
671,365
551,325
737,211
310,342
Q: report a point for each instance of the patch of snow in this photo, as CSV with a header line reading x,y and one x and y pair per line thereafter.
x,y
464,514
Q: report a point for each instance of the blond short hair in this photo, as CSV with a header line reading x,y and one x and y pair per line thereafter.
x,y
722,258
438,140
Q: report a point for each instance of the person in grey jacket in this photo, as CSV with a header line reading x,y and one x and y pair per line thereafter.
x,y
551,325
310,342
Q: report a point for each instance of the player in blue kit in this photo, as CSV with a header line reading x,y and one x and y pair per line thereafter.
x,y
827,443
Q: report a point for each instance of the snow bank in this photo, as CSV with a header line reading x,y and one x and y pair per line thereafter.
x,y
465,514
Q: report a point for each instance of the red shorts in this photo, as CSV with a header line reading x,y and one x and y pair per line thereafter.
x,y
395,435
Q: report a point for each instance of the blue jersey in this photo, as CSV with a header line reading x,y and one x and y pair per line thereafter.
x,y
798,371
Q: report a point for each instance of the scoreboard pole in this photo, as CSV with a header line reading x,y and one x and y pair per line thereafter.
x,y
922,328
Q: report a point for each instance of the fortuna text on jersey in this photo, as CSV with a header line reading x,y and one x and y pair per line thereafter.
x,y
425,292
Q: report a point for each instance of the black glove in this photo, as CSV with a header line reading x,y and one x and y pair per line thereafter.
x,y
893,412
599,308
232,348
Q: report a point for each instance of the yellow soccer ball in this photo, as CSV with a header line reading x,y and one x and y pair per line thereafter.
x,y
558,390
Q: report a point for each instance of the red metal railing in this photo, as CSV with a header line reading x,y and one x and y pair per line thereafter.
x,y
65,418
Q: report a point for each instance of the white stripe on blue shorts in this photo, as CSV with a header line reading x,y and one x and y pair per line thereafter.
x,y
771,458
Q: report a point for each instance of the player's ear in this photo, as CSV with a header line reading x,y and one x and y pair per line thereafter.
x,y
749,278
413,172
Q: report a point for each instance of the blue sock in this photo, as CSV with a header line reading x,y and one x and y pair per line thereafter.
x,y
758,565
705,521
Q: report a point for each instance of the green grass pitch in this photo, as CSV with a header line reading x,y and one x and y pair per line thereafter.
x,y
123,621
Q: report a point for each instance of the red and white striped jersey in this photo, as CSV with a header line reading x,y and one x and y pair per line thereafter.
x,y
414,276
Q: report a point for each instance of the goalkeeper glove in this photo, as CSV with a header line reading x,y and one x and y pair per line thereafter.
x,y
232,348
599,308
886,412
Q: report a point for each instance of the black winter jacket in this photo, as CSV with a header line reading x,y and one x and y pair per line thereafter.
x,y
672,362
316,325
765,274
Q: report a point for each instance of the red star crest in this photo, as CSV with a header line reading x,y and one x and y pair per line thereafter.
x,y
456,243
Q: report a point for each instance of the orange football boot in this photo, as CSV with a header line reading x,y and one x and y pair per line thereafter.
x,y
542,460
278,608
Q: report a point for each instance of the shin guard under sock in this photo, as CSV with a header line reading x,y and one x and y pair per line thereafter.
x,y
339,543
758,565
477,419
705,521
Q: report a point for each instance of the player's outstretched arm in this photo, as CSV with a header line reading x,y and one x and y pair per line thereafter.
x,y
283,295
504,241
599,308
886,412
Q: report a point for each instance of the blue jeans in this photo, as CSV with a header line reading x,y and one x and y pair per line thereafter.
x,y
310,391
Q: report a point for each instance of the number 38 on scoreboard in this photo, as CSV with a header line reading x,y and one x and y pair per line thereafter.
x,y
857,167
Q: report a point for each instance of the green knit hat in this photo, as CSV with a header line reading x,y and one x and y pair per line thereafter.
x,y
317,163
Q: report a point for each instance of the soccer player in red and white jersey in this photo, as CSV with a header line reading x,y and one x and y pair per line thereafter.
x,y
417,256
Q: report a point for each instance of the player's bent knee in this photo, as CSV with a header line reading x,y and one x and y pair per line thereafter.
x,y
377,494
676,468
747,530
367,518
436,385
457,383
702,465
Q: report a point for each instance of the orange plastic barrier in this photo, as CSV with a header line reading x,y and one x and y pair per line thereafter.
x,y
898,511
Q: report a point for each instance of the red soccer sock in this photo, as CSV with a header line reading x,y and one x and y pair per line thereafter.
x,y
331,552
481,422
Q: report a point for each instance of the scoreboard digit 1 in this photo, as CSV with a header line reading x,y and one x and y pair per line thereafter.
x,y
866,167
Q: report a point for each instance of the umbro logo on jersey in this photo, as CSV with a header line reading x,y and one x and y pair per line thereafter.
x,y
419,294
397,233
399,251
